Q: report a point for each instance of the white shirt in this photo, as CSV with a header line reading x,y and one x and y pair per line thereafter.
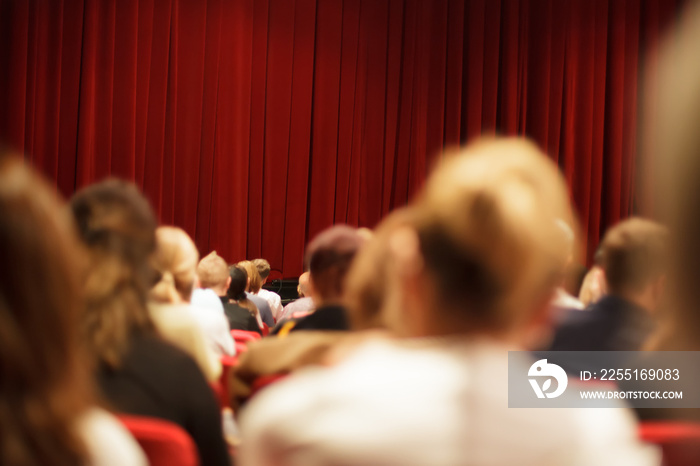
x,y
108,442
273,300
208,311
441,405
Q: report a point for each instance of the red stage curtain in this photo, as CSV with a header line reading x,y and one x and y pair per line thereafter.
x,y
255,124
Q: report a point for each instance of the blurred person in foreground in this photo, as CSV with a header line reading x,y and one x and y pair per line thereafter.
x,y
138,372
175,260
48,409
471,281
272,298
634,260
302,306
254,286
673,148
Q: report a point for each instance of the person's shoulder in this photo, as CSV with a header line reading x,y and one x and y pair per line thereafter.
x,y
155,350
108,442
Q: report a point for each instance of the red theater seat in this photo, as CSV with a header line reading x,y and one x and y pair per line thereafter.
x,y
244,336
164,443
679,441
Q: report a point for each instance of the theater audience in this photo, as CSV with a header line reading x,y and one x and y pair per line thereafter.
x,y
214,275
241,312
272,298
634,259
48,411
364,296
175,260
329,256
302,306
137,371
467,284
254,286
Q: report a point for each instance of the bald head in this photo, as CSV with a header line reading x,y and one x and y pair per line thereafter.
x,y
303,289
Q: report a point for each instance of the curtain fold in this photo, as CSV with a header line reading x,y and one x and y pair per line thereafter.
x,y
254,124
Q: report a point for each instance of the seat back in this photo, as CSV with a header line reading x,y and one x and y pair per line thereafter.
x,y
679,441
244,336
163,442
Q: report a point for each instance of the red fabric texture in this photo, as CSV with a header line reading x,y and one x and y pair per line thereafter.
x,y
255,124
679,440
164,443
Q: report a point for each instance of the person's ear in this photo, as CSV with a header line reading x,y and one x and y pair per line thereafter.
x,y
247,284
228,282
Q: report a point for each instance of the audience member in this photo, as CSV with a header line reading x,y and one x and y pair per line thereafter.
x,y
633,255
329,256
594,285
214,275
48,413
241,311
272,298
175,260
254,286
469,281
208,310
302,306
137,371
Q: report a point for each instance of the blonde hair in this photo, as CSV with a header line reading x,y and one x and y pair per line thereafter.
x,y
175,259
255,281
367,279
488,234
212,271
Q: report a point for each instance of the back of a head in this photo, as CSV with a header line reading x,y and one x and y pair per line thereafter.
x,y
255,280
633,255
488,233
263,267
175,259
674,146
212,271
239,281
329,256
44,380
367,280
117,225
303,287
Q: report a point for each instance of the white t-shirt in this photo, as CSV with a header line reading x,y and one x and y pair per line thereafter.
x,y
207,309
418,403
274,300
108,442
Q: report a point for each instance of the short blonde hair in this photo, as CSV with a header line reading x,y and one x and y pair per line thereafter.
x,y
175,259
255,281
212,271
488,234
